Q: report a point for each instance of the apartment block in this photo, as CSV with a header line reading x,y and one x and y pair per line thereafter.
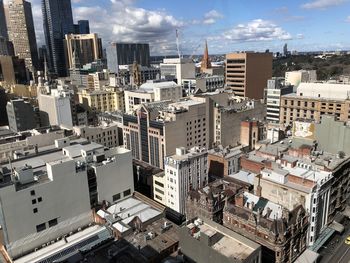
x,y
152,91
247,73
186,170
313,100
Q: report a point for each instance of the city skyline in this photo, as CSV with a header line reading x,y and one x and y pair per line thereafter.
x,y
305,25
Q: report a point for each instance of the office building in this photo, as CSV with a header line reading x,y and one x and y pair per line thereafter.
x,y
55,108
185,170
13,70
209,83
294,78
227,119
82,27
208,242
312,100
58,21
20,115
280,231
88,174
158,128
87,48
102,100
152,91
247,73
223,161
104,133
126,53
3,24
126,74
276,88
177,69
22,33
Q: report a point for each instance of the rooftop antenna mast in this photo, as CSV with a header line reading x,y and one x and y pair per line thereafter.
x,y
178,43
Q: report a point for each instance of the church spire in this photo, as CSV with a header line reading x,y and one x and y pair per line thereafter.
x,y
206,63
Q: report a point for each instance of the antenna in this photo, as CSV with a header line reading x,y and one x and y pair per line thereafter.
x,y
178,43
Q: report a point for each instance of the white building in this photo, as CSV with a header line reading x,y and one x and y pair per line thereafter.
x,y
296,77
177,69
184,171
47,196
152,91
105,133
55,108
324,90
276,88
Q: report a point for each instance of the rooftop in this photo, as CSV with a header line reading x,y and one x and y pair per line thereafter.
x,y
244,176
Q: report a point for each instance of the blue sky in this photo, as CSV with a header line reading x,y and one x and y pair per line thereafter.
x,y
228,25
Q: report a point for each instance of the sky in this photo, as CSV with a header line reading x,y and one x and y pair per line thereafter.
x,y
227,25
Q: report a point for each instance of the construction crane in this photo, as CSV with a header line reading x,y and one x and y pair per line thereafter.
x,y
178,43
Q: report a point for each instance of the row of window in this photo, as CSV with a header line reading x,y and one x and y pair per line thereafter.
x,y
116,197
51,223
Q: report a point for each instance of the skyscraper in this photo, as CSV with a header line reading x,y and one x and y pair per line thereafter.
x,y
84,27
58,21
3,26
22,33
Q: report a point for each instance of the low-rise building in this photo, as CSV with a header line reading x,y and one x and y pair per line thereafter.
x,y
20,115
280,231
223,161
296,77
210,242
105,133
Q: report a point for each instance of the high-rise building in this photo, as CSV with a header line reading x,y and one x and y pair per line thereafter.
x,y
86,47
186,170
13,70
126,54
285,50
22,33
20,115
58,21
276,87
3,25
84,27
248,72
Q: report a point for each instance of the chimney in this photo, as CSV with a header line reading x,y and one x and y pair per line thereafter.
x,y
258,188
239,200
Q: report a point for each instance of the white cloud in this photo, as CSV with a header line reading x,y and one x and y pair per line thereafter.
x,y
212,16
300,36
256,30
322,4
347,19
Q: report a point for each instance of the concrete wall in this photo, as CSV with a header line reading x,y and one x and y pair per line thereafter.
x,y
115,177
66,198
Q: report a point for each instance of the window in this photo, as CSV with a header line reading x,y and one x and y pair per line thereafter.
x,y
116,197
40,227
33,201
53,222
127,192
35,210
32,192
40,199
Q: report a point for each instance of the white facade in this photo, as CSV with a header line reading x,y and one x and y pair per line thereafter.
x,y
184,171
177,68
296,77
152,91
105,133
57,108
50,195
324,90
